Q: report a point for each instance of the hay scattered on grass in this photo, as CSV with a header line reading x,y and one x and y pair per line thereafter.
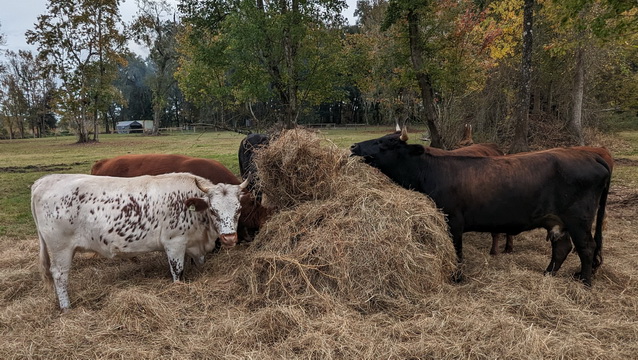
x,y
346,273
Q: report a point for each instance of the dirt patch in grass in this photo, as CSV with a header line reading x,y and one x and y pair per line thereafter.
x,y
40,168
626,162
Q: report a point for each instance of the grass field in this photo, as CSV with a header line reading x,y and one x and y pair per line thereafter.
x,y
505,309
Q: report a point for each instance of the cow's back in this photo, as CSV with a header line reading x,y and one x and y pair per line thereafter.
x,y
253,215
156,164
601,151
487,149
113,215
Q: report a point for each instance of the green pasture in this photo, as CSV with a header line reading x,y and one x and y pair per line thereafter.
x,y
24,161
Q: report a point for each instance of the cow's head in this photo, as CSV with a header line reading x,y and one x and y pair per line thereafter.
x,y
223,203
386,151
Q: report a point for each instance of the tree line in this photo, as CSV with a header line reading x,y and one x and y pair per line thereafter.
x,y
519,71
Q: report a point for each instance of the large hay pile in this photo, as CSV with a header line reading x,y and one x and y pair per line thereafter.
x,y
344,232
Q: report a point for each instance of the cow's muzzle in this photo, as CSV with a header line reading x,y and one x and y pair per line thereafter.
x,y
228,240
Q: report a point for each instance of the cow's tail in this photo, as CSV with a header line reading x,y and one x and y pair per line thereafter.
x,y
600,220
45,261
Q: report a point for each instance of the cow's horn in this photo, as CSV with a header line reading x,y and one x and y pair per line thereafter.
x,y
404,135
398,128
244,184
200,187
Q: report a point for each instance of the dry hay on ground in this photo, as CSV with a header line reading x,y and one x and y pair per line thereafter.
x,y
289,295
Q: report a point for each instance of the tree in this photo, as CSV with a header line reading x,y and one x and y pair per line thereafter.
x,y
447,56
3,41
285,51
154,28
519,142
137,96
582,30
375,63
81,40
26,95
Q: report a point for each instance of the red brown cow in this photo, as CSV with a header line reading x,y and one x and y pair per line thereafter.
x,y
253,215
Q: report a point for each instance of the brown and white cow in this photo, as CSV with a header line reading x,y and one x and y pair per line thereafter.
x,y
253,214
181,214
561,190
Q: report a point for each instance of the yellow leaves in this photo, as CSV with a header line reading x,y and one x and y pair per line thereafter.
x,y
503,27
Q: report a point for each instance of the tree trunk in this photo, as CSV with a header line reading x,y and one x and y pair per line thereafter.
x,y
578,91
290,53
157,113
519,142
96,127
423,78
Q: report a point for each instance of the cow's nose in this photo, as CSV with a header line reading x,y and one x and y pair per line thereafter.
x,y
228,240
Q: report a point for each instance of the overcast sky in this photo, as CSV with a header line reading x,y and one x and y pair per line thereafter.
x,y
18,16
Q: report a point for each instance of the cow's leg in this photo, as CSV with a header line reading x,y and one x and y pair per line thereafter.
x,y
457,237
585,247
561,247
176,254
495,239
60,267
509,243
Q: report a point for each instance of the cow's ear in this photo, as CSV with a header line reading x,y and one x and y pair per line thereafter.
x,y
417,150
196,204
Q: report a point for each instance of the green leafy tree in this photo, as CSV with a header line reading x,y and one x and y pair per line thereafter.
x,y
156,28
519,142
583,29
285,51
26,95
447,57
82,42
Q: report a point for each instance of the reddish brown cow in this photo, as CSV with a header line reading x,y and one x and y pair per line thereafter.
x,y
467,136
252,216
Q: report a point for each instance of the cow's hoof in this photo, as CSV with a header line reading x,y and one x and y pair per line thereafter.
x,y
508,251
579,277
457,277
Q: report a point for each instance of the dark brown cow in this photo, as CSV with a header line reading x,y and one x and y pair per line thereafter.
x,y
487,149
245,155
253,215
603,152
561,190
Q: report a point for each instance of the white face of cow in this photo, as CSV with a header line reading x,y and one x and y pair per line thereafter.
x,y
224,205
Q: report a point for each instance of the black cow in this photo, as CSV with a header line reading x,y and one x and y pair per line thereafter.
x,y
247,168
561,190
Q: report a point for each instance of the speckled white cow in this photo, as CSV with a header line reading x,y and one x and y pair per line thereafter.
x,y
179,213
